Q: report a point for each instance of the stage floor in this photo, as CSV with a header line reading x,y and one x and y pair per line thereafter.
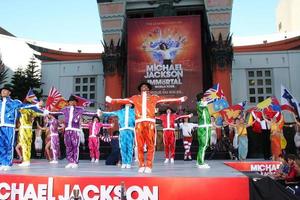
x,y
41,167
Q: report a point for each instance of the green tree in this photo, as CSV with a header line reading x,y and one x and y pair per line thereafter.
x,y
33,77
18,85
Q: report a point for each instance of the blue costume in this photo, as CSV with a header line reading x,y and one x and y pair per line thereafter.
x,y
8,116
126,120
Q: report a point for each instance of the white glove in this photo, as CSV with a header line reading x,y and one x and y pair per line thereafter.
x,y
46,112
108,99
99,112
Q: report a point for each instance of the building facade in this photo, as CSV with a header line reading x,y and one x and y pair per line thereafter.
x,y
287,16
258,71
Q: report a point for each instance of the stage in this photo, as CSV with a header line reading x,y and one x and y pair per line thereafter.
x,y
181,180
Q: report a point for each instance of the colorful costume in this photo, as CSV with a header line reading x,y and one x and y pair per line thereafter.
x,y
8,115
25,130
126,117
54,138
72,115
94,129
204,130
187,129
242,141
168,124
144,106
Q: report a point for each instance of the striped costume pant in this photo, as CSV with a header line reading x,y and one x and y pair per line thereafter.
x,y
187,142
204,134
55,146
126,139
7,135
169,143
72,141
94,147
145,134
25,135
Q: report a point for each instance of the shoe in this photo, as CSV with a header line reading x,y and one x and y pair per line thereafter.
x,y
53,162
6,168
128,166
123,166
93,160
97,161
189,158
141,169
69,165
24,164
166,161
204,166
74,165
172,161
185,158
148,170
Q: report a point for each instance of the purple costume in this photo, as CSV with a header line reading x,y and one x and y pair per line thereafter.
x,y
71,138
53,126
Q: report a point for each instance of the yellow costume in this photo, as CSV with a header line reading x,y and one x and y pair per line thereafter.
x,y
25,130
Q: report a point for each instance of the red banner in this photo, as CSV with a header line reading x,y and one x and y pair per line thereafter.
x,y
263,167
166,52
150,188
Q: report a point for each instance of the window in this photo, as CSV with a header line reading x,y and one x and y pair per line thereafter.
x,y
259,85
86,88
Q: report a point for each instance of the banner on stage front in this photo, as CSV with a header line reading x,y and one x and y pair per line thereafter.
x,y
166,52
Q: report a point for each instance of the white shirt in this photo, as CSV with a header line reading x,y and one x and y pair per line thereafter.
x,y
187,129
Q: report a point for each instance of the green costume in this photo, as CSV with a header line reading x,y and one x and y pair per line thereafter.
x,y
204,130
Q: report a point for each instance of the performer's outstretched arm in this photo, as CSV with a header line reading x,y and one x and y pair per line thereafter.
x,y
166,100
183,116
108,99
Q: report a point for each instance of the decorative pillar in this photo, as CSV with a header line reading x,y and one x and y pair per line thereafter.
x,y
112,15
222,55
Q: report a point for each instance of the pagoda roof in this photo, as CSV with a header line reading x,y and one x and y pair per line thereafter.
x,y
282,45
51,55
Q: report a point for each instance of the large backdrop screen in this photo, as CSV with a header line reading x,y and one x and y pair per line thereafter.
x,y
166,52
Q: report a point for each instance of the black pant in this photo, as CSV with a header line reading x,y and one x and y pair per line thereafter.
x,y
266,143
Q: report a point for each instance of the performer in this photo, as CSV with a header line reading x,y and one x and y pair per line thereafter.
x,y
72,115
54,128
276,134
114,156
25,130
204,130
94,128
8,117
187,129
168,124
38,142
126,117
144,105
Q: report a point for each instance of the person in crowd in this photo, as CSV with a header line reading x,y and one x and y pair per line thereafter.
x,y
187,132
126,121
26,120
9,108
168,123
114,156
144,106
94,128
283,170
38,142
214,136
276,134
54,128
266,134
204,130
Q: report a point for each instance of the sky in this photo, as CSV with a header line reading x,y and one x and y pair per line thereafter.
x,y
78,21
